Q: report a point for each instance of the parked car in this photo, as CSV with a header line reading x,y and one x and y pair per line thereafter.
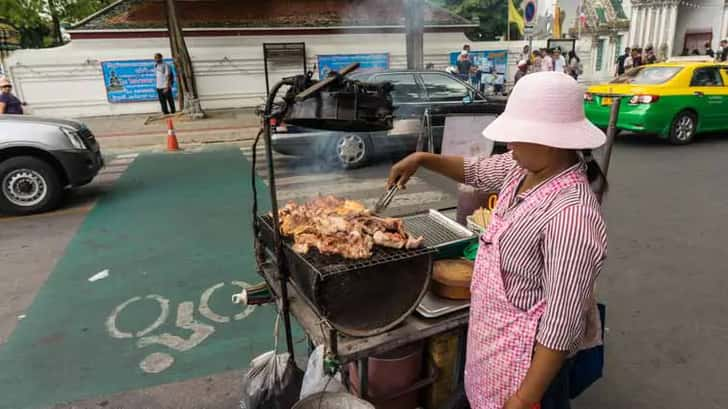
x,y
414,92
674,100
42,157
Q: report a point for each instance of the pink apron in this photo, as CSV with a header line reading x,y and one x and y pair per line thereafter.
x,y
501,337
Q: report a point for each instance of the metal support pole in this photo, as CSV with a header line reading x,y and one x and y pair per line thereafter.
x,y
611,134
606,153
363,377
280,257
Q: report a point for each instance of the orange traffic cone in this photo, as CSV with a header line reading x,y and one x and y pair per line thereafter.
x,y
172,144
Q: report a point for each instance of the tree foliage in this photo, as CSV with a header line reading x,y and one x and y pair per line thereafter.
x,y
492,14
39,21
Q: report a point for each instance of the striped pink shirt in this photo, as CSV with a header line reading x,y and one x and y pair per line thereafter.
x,y
555,252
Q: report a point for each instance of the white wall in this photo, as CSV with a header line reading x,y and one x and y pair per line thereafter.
x,y
67,81
705,19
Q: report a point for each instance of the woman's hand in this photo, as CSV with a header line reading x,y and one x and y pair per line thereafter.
x,y
515,403
403,170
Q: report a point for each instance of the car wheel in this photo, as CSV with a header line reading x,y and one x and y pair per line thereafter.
x,y
28,185
683,128
352,151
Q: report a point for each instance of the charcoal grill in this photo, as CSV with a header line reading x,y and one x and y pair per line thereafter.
x,y
368,297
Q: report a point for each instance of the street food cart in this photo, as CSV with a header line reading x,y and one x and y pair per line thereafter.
x,y
359,309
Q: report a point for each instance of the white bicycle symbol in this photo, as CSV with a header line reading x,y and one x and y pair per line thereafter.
x,y
159,361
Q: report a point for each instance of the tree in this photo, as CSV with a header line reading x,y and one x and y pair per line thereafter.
x,y
492,15
26,15
188,97
36,19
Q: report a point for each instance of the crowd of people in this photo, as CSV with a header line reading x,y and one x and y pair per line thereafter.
x,y
720,55
548,59
636,56
482,74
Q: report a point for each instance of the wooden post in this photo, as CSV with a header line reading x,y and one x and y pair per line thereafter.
x,y
189,100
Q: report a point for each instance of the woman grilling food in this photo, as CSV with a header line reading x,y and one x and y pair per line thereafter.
x,y
532,306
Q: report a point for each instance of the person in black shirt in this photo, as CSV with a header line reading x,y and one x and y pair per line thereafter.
x,y
620,61
709,51
723,56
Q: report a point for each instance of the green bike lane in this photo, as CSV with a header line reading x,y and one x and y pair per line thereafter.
x,y
168,246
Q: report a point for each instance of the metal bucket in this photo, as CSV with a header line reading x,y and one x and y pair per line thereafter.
x,y
332,400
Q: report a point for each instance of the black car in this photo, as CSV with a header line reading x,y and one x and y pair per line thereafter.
x,y
414,92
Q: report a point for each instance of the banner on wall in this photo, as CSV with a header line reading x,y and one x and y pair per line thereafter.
x,y
133,80
484,60
367,62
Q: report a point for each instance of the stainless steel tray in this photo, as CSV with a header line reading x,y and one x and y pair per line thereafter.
x,y
433,306
437,229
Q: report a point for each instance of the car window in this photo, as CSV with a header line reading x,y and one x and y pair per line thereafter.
x,y
406,88
443,88
647,75
706,77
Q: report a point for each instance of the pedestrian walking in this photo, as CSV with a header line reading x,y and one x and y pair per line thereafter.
x,y
533,305
547,62
723,51
526,53
559,61
522,70
650,57
536,61
620,62
499,82
709,51
9,103
634,60
574,69
165,79
464,63
685,52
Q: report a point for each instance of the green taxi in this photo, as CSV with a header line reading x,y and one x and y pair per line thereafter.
x,y
675,100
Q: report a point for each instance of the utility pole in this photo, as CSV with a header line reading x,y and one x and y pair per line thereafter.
x,y
189,100
415,27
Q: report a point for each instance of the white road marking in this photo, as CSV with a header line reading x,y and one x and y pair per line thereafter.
x,y
111,320
99,276
185,320
204,307
156,362
128,156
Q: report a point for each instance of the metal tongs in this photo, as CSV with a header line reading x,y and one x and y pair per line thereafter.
x,y
386,198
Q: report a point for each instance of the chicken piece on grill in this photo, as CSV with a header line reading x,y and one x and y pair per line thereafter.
x,y
414,243
373,224
341,227
391,240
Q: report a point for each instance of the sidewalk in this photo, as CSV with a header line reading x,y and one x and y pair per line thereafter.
x,y
122,132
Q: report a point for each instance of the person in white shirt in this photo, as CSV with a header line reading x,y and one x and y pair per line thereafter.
x,y
559,61
164,79
547,63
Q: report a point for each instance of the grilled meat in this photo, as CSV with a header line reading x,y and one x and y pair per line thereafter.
x,y
343,227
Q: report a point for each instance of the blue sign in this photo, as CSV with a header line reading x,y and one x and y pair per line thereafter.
x,y
486,61
529,12
133,80
367,62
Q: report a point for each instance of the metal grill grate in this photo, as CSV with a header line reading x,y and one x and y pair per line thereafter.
x,y
333,264
435,231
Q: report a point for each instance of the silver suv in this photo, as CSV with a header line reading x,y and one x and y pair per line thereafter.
x,y
42,157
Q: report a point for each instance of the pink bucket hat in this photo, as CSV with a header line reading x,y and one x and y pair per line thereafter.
x,y
4,81
546,108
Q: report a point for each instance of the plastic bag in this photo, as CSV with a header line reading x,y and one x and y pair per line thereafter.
x,y
273,380
316,380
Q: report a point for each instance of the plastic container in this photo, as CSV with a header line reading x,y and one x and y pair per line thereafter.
x,y
390,374
469,199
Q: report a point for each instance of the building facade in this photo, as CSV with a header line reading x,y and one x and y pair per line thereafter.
x,y
678,25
